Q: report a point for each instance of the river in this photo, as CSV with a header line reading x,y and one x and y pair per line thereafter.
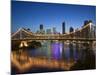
x,y
65,51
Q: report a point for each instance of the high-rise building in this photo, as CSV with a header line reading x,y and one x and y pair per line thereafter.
x,y
48,31
41,26
54,30
87,22
71,29
63,28
41,31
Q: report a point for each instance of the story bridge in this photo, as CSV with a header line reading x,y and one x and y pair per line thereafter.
x,y
86,33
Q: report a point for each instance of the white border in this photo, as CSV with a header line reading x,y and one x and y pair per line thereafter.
x,y
81,2
4,37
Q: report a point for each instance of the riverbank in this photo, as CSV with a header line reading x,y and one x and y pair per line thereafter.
x,y
32,44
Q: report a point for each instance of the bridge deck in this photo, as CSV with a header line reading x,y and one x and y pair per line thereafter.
x,y
71,39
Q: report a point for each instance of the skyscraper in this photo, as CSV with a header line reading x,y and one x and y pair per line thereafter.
x,y
71,29
63,28
48,31
41,31
54,30
41,26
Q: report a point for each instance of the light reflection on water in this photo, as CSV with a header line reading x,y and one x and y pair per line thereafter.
x,y
57,50
73,55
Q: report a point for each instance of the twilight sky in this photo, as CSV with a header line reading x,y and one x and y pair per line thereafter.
x,y
32,14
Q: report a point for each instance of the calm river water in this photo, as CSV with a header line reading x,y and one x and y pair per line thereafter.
x,y
58,50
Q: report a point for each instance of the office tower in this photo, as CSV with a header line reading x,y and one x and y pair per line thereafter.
x,y
71,29
87,22
41,26
41,31
54,30
48,31
63,28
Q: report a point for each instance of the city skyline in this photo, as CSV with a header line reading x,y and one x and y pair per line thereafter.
x,y
50,15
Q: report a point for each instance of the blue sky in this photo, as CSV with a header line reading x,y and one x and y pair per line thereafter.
x,y
32,14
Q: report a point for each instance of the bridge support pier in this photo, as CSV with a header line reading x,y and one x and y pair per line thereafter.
x,y
23,44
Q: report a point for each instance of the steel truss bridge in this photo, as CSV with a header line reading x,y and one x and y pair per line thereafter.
x,y
86,33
